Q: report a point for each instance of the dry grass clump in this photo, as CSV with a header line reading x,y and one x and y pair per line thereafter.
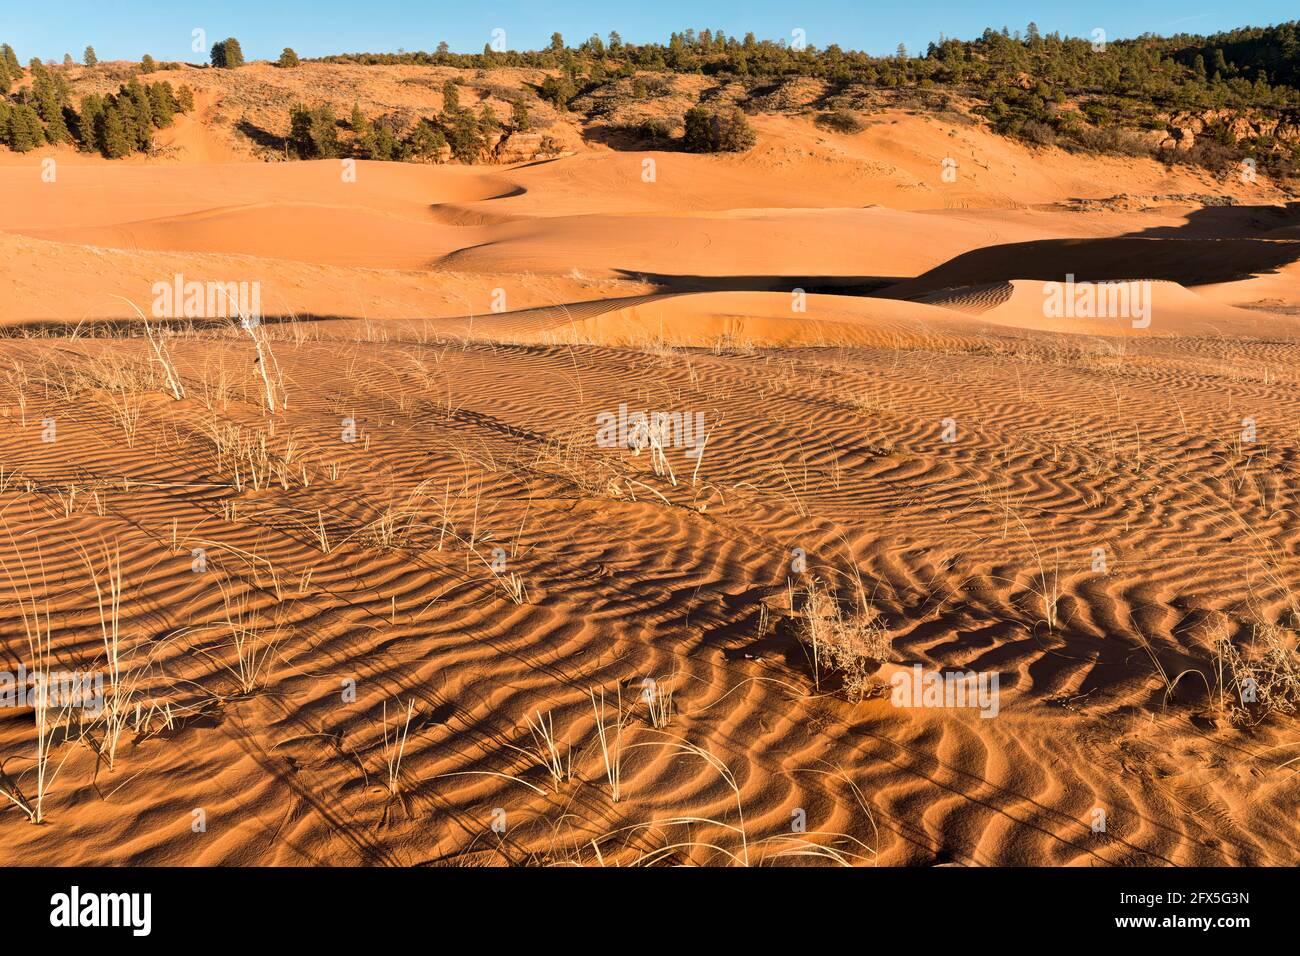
x,y
545,751
570,457
844,639
1261,680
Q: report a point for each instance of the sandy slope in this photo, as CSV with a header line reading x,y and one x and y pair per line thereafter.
x,y
331,564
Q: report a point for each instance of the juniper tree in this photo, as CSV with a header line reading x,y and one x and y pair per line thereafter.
x,y
148,64
89,57
698,137
67,60
288,59
185,99
734,134
10,59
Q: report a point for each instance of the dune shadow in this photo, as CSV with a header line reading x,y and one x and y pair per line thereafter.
x,y
1216,244
262,137
1229,222
621,139
821,285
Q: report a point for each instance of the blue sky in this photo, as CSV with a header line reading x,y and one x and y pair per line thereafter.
x,y
126,29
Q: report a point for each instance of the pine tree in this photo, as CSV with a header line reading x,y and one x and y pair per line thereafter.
x,y
450,98
558,90
92,111
143,126
136,114
11,60
519,119
227,54
288,59
162,103
382,144
111,135
148,64
24,132
358,122
465,137
50,110
89,57
312,132
67,60
426,140
234,54
185,99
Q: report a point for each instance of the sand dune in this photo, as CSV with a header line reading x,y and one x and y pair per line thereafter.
x,y
1099,514
730,318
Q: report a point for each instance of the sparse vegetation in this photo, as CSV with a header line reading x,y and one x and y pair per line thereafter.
x,y
847,639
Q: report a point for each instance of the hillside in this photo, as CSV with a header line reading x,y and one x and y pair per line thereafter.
x,y
1238,116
